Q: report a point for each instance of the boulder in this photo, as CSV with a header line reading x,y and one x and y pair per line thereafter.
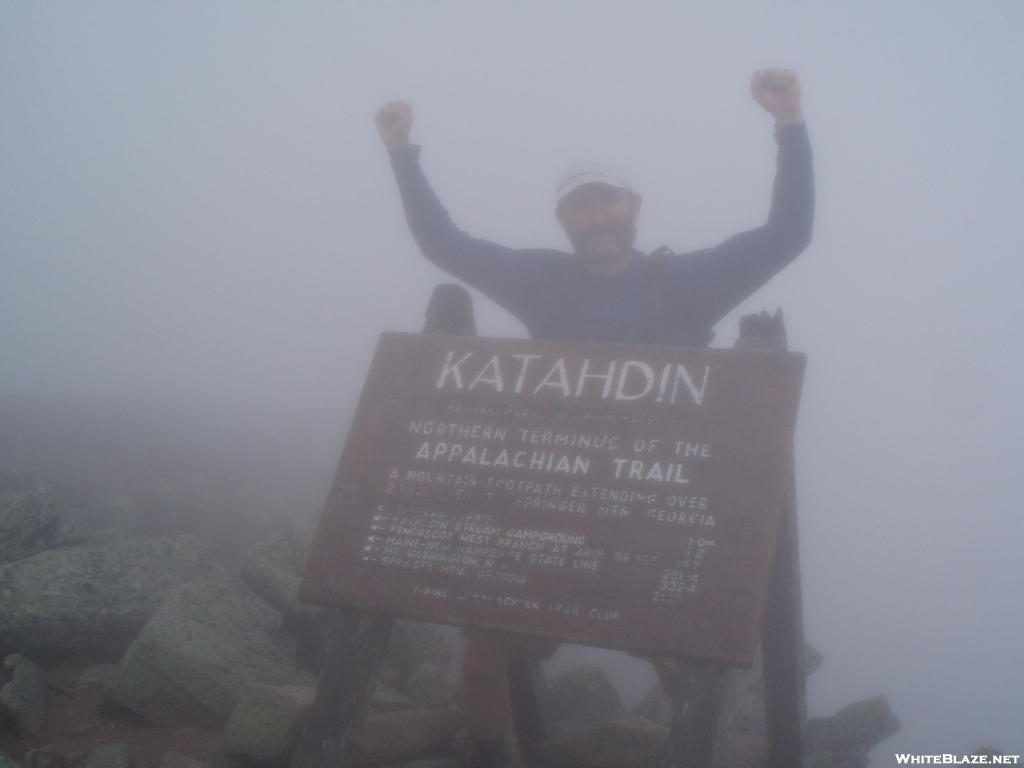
x,y
622,743
97,676
114,755
844,739
28,524
50,756
273,570
268,721
433,762
392,737
92,600
430,688
174,760
742,733
23,699
192,659
584,695
412,644
386,699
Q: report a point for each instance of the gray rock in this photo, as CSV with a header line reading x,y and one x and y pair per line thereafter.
x,y
387,699
92,600
46,757
28,524
844,740
584,695
8,762
742,732
23,699
268,721
273,570
412,644
394,737
70,535
174,760
97,676
621,743
430,688
192,659
114,755
432,762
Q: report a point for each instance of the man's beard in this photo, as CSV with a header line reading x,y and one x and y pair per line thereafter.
x,y
625,236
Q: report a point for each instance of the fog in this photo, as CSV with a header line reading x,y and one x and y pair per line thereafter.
x,y
197,215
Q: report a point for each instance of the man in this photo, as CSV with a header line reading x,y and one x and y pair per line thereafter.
x,y
604,291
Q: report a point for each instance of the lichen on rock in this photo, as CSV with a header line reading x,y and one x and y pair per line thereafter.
x,y
81,601
193,658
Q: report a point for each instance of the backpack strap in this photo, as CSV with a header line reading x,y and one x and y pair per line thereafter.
x,y
655,330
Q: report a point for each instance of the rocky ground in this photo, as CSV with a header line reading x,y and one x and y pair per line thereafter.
x,y
135,630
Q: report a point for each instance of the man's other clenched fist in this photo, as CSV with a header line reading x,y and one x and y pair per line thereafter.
x,y
394,120
778,91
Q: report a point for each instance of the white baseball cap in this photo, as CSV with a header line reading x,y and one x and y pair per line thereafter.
x,y
590,172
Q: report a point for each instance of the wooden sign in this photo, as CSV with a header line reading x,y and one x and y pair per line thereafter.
x,y
611,495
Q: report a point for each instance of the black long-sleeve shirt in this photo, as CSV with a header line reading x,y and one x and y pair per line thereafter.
x,y
668,298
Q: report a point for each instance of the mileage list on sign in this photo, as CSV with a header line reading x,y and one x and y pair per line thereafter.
x,y
611,495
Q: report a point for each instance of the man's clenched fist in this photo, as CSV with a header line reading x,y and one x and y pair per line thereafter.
x,y
394,120
778,91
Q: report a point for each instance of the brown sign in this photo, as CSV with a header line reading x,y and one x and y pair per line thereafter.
x,y
611,495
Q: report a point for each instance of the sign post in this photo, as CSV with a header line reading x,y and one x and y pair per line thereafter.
x,y
619,496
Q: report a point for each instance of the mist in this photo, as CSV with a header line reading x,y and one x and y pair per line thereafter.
x,y
201,240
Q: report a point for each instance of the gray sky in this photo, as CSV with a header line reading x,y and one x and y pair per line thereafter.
x,y
194,204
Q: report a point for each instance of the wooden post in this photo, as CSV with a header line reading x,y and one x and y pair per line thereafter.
x,y
696,705
356,642
525,677
356,645
782,636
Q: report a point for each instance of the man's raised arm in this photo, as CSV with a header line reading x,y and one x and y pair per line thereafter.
x,y
710,283
507,276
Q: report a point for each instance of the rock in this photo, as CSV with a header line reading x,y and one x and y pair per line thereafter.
x,y
430,688
584,695
432,762
174,760
386,699
70,535
268,721
743,736
391,737
28,524
412,644
273,570
97,676
192,659
92,600
623,743
23,699
114,755
46,757
844,740
7,762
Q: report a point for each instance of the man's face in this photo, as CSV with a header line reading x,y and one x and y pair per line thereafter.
x,y
600,221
